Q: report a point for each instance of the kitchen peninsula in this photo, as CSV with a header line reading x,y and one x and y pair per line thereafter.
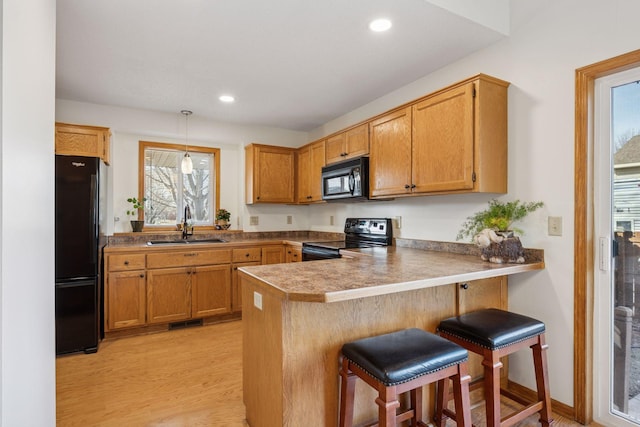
x,y
301,314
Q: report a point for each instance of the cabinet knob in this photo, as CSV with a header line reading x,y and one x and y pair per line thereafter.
x,y
235,268
258,198
464,285
413,186
141,276
407,186
126,263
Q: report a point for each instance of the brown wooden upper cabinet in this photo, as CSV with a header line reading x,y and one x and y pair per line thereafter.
x,y
346,145
311,159
80,140
451,141
269,174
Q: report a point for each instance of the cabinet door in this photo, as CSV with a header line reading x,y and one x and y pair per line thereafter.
x,y
125,299
390,163
316,163
478,295
270,174
443,138
168,294
211,290
77,140
236,292
335,150
273,255
356,141
293,253
304,187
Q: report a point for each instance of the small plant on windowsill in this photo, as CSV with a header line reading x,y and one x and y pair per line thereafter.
x,y
492,230
222,219
136,207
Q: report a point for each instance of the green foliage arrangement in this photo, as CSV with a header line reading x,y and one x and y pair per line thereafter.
x,y
223,215
137,205
499,216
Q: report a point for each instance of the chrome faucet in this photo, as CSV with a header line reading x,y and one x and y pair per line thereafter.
x,y
187,228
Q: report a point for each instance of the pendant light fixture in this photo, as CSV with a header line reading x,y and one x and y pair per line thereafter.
x,y
187,164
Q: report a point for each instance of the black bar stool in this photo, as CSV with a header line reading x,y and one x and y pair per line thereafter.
x,y
403,361
494,333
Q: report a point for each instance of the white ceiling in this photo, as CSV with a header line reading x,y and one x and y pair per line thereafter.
x,y
293,64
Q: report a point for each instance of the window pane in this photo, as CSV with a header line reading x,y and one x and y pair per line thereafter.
x,y
167,189
198,187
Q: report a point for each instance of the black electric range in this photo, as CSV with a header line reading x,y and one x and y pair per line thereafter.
x,y
359,233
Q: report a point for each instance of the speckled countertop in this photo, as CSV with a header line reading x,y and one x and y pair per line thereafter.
x,y
379,271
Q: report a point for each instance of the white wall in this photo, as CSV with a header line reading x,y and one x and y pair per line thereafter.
x,y
539,59
548,41
27,334
129,126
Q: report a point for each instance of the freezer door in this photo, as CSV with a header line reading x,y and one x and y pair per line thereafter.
x,y
77,316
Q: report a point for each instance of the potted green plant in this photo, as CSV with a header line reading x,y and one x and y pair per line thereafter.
x,y
222,219
492,229
137,206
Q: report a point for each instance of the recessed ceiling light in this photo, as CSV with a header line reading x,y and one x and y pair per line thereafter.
x,y
379,25
226,98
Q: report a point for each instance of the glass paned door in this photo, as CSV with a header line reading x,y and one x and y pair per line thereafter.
x,y
617,277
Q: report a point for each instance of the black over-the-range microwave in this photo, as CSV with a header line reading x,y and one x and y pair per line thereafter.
x,y
346,181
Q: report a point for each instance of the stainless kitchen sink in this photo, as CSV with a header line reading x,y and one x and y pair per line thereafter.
x,y
183,242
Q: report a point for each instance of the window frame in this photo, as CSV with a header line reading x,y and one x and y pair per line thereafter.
x,y
142,145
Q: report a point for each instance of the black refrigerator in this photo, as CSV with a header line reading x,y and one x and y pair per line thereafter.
x,y
78,256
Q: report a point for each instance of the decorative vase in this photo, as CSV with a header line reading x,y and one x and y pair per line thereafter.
x,y
137,225
508,251
222,224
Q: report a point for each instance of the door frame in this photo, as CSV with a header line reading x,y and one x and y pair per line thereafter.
x,y
583,264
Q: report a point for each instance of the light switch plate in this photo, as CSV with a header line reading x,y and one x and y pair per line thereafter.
x,y
253,220
555,226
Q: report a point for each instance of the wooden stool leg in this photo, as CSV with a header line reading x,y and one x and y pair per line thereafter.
x,y
347,391
442,400
542,380
387,401
492,365
416,405
461,396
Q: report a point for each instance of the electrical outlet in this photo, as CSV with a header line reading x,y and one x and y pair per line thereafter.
x,y
331,220
289,219
257,300
398,222
253,220
554,224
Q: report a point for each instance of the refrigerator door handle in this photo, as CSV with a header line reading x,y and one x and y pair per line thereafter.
x,y
94,213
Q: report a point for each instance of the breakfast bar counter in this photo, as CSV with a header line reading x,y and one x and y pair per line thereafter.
x,y
297,316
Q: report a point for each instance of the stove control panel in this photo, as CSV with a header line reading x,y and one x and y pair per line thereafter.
x,y
377,226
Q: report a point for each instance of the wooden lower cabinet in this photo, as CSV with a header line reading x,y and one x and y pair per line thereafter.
x,y
168,294
126,299
293,253
273,254
236,292
211,290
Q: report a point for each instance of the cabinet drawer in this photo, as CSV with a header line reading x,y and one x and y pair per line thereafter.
x,y
126,262
247,255
184,259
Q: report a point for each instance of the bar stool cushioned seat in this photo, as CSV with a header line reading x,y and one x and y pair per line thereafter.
x,y
492,328
398,362
494,333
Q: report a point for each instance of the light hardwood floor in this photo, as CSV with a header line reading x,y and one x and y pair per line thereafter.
x,y
189,377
